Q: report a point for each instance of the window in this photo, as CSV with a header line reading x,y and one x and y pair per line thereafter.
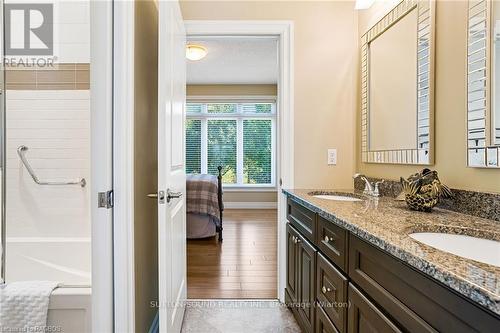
x,y
237,136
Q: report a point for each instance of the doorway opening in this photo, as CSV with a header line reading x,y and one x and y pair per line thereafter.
x,y
232,159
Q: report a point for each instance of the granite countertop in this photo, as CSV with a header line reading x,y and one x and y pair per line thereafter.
x,y
386,223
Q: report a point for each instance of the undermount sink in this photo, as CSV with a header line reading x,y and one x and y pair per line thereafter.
x,y
336,196
483,250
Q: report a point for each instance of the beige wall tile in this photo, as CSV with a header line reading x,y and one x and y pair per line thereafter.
x,y
55,76
67,76
82,76
56,86
21,86
17,77
82,86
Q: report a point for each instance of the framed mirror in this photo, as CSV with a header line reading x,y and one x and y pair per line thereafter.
x,y
397,86
483,84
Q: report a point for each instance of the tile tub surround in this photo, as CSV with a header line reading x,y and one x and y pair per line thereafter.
x,y
240,316
480,204
386,223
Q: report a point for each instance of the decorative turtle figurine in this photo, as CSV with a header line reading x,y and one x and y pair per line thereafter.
x,y
423,190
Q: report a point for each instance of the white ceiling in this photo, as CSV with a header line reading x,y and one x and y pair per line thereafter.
x,y
231,60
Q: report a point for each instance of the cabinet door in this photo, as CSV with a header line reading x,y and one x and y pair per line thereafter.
x,y
291,262
306,290
364,317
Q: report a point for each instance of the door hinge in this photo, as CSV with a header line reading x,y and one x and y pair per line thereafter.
x,y
105,199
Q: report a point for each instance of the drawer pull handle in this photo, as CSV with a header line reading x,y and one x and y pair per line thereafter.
x,y
297,240
325,290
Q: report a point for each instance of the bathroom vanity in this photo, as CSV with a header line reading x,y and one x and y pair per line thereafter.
x,y
352,267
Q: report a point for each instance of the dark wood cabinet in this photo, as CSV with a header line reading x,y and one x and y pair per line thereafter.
x,y
384,293
415,301
365,317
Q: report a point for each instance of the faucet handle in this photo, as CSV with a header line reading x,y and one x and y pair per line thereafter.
x,y
376,191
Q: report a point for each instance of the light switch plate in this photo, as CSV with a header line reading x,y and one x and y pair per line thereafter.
x,y
332,156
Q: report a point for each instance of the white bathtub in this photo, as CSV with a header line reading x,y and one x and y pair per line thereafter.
x,y
66,260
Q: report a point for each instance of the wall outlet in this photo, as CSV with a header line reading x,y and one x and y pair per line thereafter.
x,y
332,156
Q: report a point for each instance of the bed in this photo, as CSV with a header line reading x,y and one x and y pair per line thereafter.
x,y
204,205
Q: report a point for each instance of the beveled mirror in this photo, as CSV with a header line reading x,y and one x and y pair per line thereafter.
x,y
397,86
483,84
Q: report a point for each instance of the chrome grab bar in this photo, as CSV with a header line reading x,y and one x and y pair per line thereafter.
x,y
22,149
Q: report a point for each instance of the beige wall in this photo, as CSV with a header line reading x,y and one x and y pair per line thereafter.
x,y
450,104
325,68
145,162
231,90
250,196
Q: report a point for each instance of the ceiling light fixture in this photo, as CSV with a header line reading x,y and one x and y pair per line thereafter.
x,y
363,4
195,52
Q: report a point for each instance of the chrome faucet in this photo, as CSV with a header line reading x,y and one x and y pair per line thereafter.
x,y
370,189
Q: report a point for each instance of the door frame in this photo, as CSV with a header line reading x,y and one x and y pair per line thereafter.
x,y
123,165
101,138
284,30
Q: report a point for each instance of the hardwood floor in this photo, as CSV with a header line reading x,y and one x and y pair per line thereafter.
x,y
244,265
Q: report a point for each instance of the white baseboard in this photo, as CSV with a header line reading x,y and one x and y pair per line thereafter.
x,y
250,205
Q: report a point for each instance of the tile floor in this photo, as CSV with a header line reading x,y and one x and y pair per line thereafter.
x,y
235,316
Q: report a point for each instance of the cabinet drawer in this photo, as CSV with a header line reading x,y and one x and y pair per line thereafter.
x,y
301,218
364,317
332,241
415,301
323,323
331,292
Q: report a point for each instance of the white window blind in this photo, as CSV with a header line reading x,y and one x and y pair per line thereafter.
x,y
222,146
193,146
240,137
257,151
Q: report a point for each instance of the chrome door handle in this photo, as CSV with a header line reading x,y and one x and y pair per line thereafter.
x,y
173,195
153,195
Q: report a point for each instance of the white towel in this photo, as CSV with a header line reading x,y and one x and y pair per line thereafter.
x,y
24,305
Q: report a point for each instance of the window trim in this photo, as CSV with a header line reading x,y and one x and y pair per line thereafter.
x,y
221,99
239,116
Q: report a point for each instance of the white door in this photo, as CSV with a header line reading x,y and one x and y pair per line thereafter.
x,y
171,174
